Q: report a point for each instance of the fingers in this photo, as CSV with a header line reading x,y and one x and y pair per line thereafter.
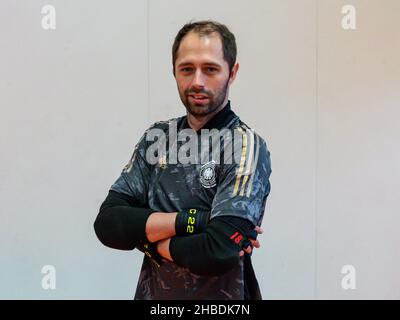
x,y
259,230
252,234
248,249
255,243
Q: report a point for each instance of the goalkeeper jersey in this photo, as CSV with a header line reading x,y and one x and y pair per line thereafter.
x,y
223,168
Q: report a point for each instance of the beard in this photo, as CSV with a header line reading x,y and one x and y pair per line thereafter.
x,y
214,101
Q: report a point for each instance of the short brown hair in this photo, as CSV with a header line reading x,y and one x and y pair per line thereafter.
x,y
204,28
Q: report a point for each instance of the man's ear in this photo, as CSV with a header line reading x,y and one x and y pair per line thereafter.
x,y
234,71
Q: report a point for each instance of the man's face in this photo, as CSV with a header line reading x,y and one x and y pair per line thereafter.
x,y
202,75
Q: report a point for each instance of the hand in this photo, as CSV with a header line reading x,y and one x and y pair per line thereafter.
x,y
191,221
150,250
252,241
163,249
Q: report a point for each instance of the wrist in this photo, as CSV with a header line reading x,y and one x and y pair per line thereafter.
x,y
191,221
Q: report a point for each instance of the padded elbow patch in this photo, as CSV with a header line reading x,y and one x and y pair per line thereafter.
x,y
213,252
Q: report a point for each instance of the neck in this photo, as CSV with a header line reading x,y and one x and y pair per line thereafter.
x,y
198,122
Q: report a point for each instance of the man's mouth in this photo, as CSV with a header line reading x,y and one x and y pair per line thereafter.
x,y
198,98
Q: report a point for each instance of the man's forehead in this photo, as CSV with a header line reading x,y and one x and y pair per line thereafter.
x,y
194,46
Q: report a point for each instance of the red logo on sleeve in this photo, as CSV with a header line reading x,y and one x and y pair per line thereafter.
x,y
237,237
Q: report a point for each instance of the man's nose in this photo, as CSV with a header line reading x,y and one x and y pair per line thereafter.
x,y
198,80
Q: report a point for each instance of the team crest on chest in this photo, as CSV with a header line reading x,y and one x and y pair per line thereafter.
x,y
208,177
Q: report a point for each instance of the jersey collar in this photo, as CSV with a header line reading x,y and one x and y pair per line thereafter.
x,y
218,121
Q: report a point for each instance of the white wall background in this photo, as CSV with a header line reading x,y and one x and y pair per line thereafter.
x,y
75,100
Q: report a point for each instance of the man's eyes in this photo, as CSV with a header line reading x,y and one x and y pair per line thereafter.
x,y
211,69
208,69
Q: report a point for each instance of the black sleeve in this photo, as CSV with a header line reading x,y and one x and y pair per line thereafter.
x,y
120,224
216,250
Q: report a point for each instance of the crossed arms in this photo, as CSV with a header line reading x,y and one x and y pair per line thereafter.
x,y
122,225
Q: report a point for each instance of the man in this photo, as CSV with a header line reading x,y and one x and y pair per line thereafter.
x,y
196,221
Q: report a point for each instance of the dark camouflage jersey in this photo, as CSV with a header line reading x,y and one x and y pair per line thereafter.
x,y
235,186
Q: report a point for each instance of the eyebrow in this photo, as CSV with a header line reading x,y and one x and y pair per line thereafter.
x,y
206,63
